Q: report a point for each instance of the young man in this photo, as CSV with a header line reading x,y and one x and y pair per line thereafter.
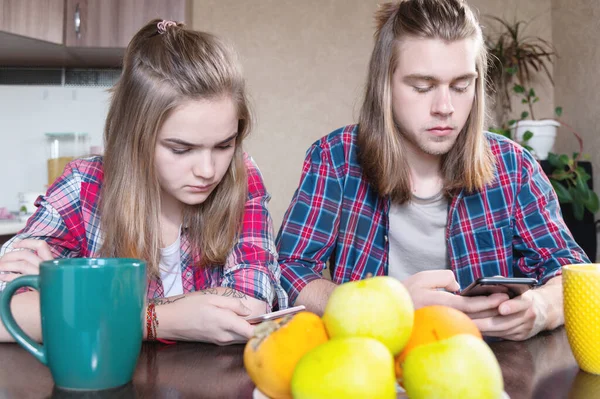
x,y
419,192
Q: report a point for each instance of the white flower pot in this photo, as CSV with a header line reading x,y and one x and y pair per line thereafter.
x,y
544,135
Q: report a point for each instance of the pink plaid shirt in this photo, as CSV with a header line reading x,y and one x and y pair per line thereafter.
x,y
68,219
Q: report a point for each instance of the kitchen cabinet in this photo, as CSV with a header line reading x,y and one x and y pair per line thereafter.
x,y
36,19
77,33
112,23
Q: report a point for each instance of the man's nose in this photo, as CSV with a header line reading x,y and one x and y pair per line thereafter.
x,y
442,103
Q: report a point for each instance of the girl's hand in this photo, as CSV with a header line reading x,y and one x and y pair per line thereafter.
x,y
199,317
25,259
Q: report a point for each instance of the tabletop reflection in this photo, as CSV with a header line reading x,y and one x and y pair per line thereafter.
x,y
542,367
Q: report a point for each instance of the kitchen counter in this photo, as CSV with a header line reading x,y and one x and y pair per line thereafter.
x,y
11,226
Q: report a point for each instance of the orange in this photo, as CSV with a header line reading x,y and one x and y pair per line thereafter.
x,y
434,323
271,355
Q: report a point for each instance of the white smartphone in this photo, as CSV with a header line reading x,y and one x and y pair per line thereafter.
x,y
274,315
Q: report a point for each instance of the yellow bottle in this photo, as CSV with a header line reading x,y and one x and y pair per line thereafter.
x,y
62,149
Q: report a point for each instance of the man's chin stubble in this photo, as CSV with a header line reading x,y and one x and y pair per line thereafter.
x,y
445,142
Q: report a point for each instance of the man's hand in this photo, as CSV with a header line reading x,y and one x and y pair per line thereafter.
x,y
517,319
315,295
25,259
437,287
526,315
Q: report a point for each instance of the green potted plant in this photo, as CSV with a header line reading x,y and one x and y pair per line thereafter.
x,y
538,135
570,181
568,177
514,59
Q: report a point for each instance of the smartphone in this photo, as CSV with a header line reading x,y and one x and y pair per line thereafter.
x,y
274,315
513,286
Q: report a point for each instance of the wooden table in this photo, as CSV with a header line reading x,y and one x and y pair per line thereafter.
x,y
542,367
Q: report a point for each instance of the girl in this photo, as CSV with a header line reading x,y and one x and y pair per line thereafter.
x,y
174,188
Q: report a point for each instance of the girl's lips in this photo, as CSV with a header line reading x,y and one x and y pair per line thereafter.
x,y
199,189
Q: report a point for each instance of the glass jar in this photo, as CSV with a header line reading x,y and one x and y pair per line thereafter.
x,y
62,149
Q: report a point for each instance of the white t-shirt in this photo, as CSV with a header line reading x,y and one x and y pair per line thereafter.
x,y
170,268
417,236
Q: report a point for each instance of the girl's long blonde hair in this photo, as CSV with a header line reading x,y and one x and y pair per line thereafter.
x,y
162,68
469,164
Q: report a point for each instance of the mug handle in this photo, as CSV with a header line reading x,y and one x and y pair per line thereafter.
x,y
8,319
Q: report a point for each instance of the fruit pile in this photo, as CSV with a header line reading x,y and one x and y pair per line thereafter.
x,y
369,339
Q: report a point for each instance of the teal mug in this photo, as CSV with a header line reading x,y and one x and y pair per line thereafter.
x,y
92,320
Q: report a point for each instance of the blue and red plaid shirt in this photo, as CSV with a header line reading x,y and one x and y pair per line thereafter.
x,y
68,219
513,227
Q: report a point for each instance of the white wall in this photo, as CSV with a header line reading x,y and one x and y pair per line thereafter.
x,y
26,113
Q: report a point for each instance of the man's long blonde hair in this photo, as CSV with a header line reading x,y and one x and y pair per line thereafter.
x,y
162,69
469,164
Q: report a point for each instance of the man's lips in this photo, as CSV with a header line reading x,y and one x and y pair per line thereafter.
x,y
441,130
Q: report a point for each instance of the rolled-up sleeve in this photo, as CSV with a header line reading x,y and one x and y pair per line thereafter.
x,y
48,223
309,229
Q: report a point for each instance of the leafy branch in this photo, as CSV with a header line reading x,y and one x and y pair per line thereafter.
x,y
515,56
570,180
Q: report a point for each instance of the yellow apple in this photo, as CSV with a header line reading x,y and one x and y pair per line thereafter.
x,y
346,368
378,307
462,366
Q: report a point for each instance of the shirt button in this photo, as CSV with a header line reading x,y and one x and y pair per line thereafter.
x,y
385,237
188,274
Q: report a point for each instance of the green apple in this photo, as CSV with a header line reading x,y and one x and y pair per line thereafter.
x,y
378,307
462,366
345,368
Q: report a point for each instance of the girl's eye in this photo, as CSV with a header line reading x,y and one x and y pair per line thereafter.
x,y
224,147
422,89
178,151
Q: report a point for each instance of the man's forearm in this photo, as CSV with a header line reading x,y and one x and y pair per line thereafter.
x,y
26,310
315,295
551,296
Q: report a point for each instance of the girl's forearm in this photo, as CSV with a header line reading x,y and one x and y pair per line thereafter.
x,y
26,311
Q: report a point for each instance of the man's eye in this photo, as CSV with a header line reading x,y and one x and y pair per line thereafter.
x,y
460,89
461,86
420,89
224,147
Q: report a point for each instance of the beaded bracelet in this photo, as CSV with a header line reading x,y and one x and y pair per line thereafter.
x,y
151,322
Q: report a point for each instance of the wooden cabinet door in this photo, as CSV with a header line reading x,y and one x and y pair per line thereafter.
x,y
112,23
37,19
